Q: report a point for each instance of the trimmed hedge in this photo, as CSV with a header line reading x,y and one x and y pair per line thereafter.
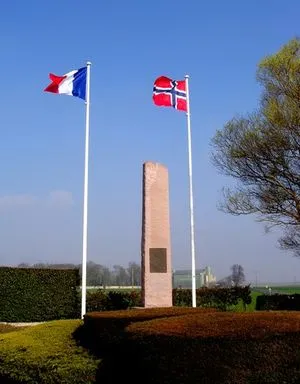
x,y
278,302
102,331
219,324
161,345
101,300
46,354
29,294
221,298
235,348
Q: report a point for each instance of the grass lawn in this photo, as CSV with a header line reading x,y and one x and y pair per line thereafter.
x,y
45,354
287,289
250,307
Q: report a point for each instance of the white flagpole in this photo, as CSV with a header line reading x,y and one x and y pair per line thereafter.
x,y
191,191
85,190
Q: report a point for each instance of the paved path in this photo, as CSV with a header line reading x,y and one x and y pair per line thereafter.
x,y
21,324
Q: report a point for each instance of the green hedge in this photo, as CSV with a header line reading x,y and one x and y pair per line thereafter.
x,y
46,354
29,294
221,298
47,294
278,302
101,300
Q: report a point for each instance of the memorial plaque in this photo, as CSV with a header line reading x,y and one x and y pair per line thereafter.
x,y
158,260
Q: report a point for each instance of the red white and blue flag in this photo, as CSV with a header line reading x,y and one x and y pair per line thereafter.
x,y
170,93
72,83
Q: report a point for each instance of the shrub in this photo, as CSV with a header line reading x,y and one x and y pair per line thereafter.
x,y
122,300
103,330
96,300
29,294
221,298
102,300
278,302
212,348
46,354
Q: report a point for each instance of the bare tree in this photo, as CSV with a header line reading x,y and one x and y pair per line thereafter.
x,y
99,275
134,271
237,275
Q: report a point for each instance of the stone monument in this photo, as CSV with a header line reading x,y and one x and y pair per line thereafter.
x,y
156,245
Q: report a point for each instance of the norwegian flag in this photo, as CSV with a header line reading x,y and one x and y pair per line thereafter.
x,y
170,93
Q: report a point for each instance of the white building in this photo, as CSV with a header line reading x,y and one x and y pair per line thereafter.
x,y
183,278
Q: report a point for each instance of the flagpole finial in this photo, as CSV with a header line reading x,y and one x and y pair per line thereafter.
x,y
187,76
88,63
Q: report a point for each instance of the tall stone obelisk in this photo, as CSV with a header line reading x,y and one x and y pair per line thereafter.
x,y
156,243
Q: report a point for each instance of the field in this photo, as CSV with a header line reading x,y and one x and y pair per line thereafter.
x,y
281,289
287,289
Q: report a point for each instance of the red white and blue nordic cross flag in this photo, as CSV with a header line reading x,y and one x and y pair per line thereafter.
x,y
72,83
170,93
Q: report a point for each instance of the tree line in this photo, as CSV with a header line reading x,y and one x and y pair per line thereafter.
x,y
235,279
99,275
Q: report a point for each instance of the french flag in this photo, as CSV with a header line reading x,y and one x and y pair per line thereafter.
x,y
72,83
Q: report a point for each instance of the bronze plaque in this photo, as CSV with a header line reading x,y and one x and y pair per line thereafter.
x,y
158,260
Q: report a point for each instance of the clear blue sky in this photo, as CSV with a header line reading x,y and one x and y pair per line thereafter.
x,y
130,43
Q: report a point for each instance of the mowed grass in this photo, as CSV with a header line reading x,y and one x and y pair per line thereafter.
x,y
284,289
288,289
45,354
250,307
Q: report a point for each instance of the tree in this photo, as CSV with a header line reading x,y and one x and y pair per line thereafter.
x,y
106,277
99,275
23,265
261,151
134,271
237,275
94,273
121,276
226,282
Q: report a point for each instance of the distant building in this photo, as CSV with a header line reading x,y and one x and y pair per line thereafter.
x,y
183,278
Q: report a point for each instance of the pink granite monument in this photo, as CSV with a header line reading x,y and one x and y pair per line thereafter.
x,y
156,244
